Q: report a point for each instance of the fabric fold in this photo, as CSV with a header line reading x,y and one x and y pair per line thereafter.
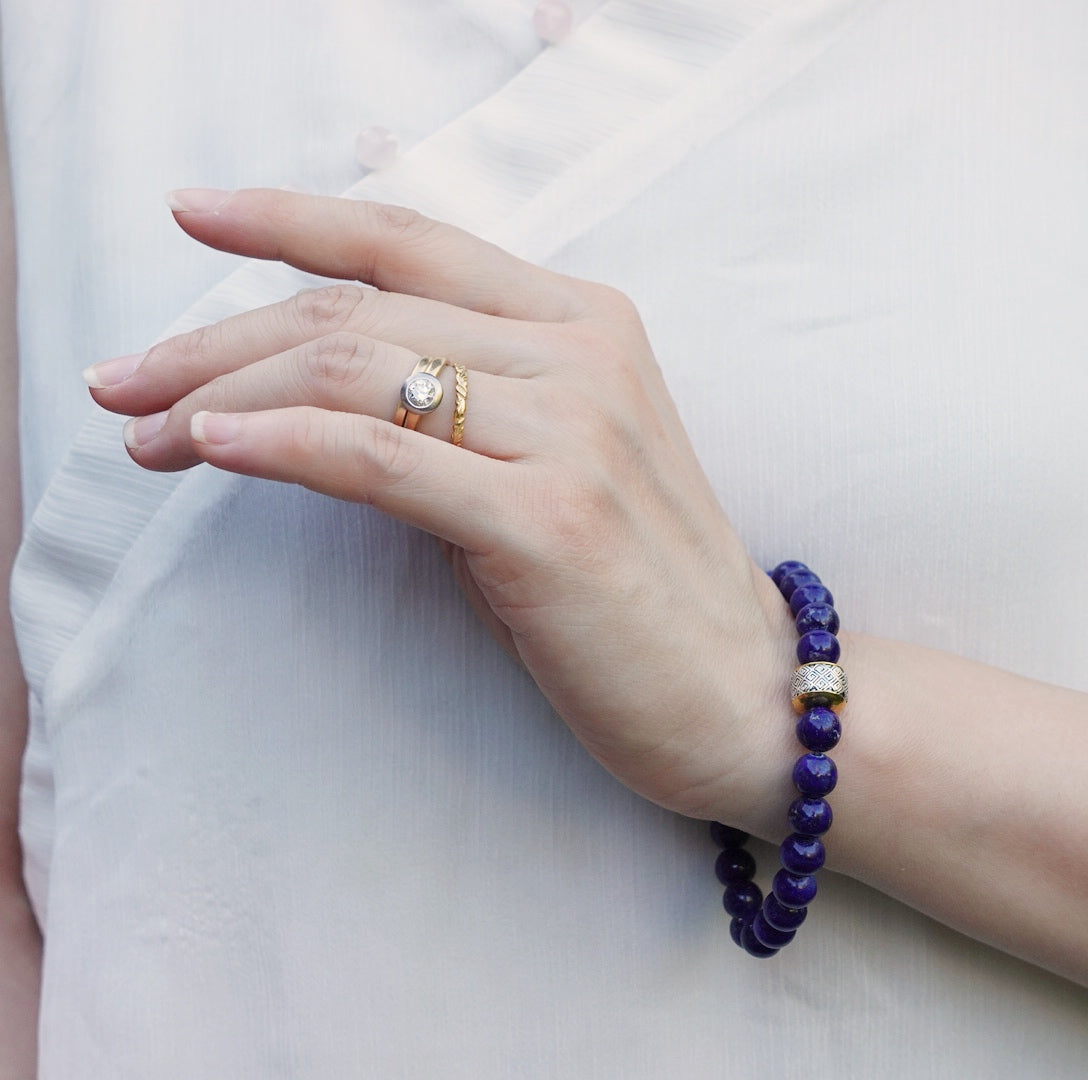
x,y
579,133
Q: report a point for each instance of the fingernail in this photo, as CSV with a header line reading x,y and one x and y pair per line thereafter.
x,y
112,372
208,427
196,200
140,430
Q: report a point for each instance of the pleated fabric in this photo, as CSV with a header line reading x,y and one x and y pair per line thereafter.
x,y
263,839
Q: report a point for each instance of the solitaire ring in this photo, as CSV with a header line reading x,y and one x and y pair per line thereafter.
x,y
421,392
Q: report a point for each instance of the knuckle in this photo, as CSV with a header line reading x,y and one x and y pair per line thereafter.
x,y
604,358
401,220
327,309
381,454
336,361
186,350
608,302
572,510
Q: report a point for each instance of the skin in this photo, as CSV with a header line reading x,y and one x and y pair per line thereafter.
x,y
590,542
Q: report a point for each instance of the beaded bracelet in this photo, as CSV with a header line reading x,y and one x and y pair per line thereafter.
x,y
761,926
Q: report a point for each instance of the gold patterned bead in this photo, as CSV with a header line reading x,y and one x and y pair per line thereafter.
x,y
818,683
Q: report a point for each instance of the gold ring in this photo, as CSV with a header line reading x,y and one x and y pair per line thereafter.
x,y
460,404
421,392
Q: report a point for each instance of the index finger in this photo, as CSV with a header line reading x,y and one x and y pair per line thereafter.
x,y
391,247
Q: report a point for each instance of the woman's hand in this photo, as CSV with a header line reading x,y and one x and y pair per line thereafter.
x,y
576,516
584,531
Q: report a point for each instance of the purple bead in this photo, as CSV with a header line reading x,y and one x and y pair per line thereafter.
x,y
818,645
819,729
734,865
810,816
794,890
752,945
781,917
725,836
815,775
817,617
813,593
802,854
735,928
742,899
769,935
795,579
784,568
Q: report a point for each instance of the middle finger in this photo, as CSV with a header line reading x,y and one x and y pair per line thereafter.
x,y
178,366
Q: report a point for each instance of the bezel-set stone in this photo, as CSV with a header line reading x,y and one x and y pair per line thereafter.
x,y
421,393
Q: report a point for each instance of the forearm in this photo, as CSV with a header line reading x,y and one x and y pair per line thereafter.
x,y
962,794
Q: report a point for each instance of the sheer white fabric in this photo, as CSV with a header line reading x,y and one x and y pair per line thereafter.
x,y
264,841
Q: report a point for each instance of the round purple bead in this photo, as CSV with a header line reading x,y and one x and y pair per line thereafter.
x,y
814,592
742,899
802,854
781,917
818,729
818,645
769,935
817,617
734,865
759,926
794,890
815,775
784,568
725,836
794,580
812,817
752,945
736,926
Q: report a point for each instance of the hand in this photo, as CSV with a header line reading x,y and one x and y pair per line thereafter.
x,y
575,514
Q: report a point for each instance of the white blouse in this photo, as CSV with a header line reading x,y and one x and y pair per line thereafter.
x,y
261,841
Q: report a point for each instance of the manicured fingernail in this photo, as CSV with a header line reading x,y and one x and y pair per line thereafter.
x,y
196,200
208,427
140,430
112,372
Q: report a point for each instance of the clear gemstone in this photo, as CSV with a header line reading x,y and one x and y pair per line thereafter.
x,y
420,392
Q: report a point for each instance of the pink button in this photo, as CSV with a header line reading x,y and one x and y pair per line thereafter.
x,y
375,148
553,20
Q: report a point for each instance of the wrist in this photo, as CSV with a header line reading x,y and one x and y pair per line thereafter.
x,y
755,688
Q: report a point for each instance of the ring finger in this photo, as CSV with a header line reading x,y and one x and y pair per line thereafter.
x,y
343,373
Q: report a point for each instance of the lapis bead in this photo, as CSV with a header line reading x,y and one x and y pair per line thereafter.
x,y
813,593
817,646
742,899
817,617
819,729
725,836
815,775
784,568
810,816
796,578
769,935
735,865
752,945
802,854
794,890
781,917
762,927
